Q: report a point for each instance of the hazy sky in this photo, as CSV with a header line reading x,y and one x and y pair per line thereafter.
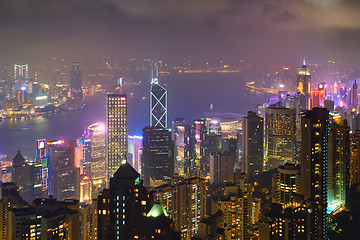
x,y
257,30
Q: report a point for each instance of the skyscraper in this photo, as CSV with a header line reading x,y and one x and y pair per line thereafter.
x,y
63,173
354,158
338,161
75,78
158,155
21,71
287,183
22,176
354,95
122,207
253,144
116,132
158,102
303,87
314,161
280,135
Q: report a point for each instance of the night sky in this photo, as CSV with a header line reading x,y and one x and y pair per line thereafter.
x,y
261,31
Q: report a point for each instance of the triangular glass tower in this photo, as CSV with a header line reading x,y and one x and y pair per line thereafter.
x,y
158,102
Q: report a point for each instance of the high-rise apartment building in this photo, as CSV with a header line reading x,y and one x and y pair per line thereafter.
x,y
185,201
354,176
280,135
253,144
235,206
314,167
338,160
116,132
158,155
158,102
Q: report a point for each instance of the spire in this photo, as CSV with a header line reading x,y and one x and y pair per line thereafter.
x,y
304,61
155,74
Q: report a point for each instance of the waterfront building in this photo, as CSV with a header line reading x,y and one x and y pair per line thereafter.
x,y
253,144
280,135
116,132
157,156
76,81
95,154
64,175
134,148
185,202
314,167
21,71
158,102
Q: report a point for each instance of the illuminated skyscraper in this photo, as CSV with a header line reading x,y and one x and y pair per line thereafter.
x,y
158,102
64,175
158,155
21,71
134,146
303,86
185,201
354,95
338,160
75,84
287,183
116,132
314,162
97,152
354,158
253,144
280,134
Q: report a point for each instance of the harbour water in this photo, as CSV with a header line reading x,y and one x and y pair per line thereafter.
x,y
187,98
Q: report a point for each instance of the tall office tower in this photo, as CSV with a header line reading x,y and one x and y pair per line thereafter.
x,y
199,130
43,163
21,71
116,132
354,95
287,183
314,160
134,146
280,135
9,202
121,207
178,135
338,161
75,81
22,176
317,99
185,201
253,144
158,102
221,168
158,155
95,154
303,87
63,174
85,190
235,206
354,174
